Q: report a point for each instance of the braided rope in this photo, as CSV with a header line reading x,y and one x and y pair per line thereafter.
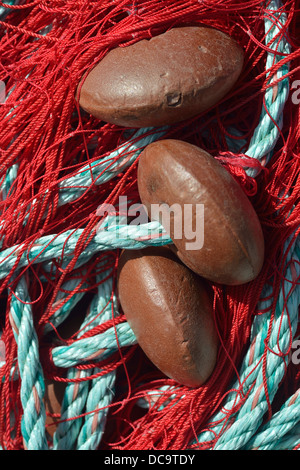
x,y
101,170
78,397
63,245
72,406
99,398
290,441
10,177
101,393
99,346
67,305
275,431
106,168
249,417
267,132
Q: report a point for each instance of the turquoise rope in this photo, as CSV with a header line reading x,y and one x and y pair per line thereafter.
x,y
289,442
102,392
63,312
78,398
103,169
249,417
100,397
10,177
72,406
56,246
267,133
104,344
276,429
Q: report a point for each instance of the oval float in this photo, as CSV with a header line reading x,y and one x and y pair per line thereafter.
x,y
169,308
215,229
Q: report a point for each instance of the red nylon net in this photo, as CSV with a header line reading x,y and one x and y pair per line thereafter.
x,y
46,47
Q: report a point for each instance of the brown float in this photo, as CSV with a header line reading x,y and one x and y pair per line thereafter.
x,y
175,172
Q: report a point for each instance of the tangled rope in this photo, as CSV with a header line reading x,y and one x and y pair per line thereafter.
x,y
58,165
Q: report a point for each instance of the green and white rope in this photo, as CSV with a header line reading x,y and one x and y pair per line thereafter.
x,y
72,407
63,245
85,433
250,415
102,389
267,132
